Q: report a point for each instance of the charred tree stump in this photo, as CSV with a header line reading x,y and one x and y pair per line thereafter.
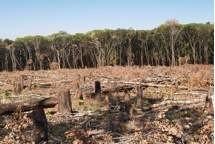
x,y
97,93
64,102
40,125
126,112
97,87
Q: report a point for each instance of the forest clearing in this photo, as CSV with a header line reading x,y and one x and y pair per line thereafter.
x,y
107,72
109,104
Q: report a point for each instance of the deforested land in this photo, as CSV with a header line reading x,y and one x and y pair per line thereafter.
x,y
120,86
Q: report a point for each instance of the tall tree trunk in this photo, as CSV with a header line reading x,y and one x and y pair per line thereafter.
x,y
13,58
146,53
194,54
206,54
81,58
141,54
129,53
58,59
172,49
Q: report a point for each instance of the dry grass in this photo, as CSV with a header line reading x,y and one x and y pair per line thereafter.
x,y
194,76
148,123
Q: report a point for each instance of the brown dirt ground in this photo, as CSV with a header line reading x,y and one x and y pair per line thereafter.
x,y
160,118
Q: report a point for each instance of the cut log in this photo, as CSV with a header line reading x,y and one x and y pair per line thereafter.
x,y
145,85
27,105
64,102
123,88
43,85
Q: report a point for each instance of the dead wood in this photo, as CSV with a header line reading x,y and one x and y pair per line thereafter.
x,y
145,85
18,85
64,102
97,87
40,125
42,85
139,97
27,105
122,88
209,105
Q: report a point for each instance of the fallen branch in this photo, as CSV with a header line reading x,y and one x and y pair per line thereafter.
x,y
153,85
123,88
42,85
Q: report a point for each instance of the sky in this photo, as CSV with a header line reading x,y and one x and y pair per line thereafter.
x,y
19,18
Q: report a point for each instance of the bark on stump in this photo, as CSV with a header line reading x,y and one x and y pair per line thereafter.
x,y
209,105
18,85
139,96
40,125
64,102
78,93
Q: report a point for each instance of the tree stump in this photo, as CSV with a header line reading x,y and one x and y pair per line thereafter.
x,y
18,85
78,93
64,102
98,93
97,87
209,105
40,125
139,96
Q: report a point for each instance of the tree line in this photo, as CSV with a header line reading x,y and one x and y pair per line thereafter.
x,y
163,45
